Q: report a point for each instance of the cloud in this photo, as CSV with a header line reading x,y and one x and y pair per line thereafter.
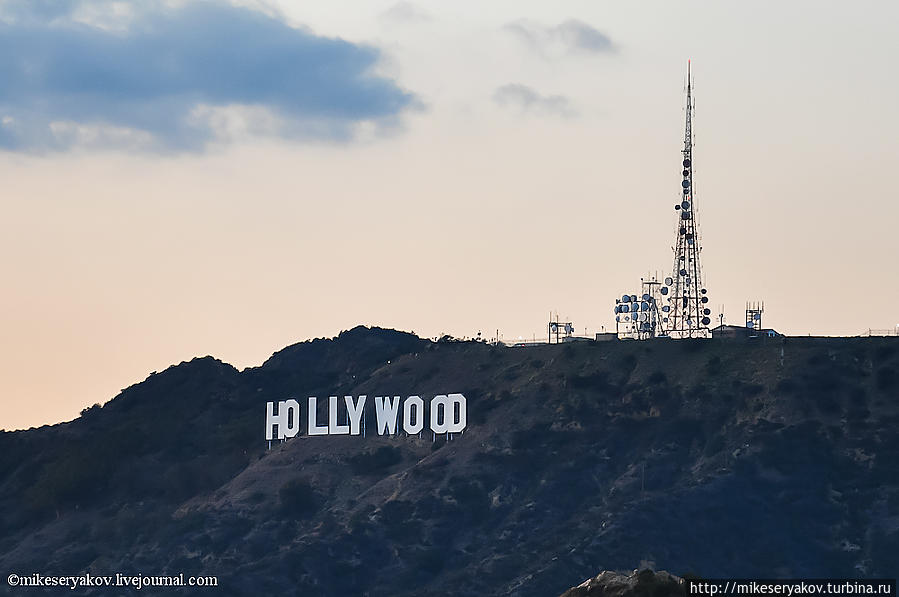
x,y
572,36
405,12
581,36
34,10
527,99
178,76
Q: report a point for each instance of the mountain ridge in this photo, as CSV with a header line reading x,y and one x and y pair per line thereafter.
x,y
728,458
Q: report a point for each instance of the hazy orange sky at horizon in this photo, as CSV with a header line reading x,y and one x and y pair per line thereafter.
x,y
493,163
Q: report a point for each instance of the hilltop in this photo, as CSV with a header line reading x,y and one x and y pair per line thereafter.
x,y
740,458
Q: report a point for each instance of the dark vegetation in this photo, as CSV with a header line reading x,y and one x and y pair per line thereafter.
x,y
375,462
298,499
725,459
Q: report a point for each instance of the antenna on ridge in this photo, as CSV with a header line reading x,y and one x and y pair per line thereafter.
x,y
688,312
676,307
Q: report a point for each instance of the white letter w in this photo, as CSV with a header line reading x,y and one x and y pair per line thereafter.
x,y
386,413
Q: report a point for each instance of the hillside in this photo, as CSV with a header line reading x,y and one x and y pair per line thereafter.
x,y
719,458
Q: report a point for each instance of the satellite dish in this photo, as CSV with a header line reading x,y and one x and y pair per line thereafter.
x,y
626,298
645,306
757,316
686,173
689,241
664,289
750,324
683,272
666,308
646,297
685,215
676,207
685,184
633,298
625,308
618,318
644,316
702,291
668,281
689,322
687,163
685,204
686,301
554,327
687,280
706,321
705,299
686,192
706,311
664,320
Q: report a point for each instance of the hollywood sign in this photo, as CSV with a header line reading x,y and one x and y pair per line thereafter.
x,y
445,413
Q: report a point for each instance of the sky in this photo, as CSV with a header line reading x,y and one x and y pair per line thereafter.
x,y
183,178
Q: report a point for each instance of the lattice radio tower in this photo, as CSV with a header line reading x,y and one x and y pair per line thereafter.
x,y
687,314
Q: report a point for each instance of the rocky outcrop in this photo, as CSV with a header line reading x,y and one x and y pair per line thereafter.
x,y
642,583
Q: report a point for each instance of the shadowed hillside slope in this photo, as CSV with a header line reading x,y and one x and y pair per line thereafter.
x,y
717,458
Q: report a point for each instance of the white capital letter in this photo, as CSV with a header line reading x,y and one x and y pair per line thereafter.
x,y
290,418
386,413
440,424
272,419
419,404
457,424
333,427
354,413
314,428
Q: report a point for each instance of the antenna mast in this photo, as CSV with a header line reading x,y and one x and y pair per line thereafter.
x,y
687,313
677,307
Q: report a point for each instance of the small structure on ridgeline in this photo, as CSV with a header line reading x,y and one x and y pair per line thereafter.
x,y
753,327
